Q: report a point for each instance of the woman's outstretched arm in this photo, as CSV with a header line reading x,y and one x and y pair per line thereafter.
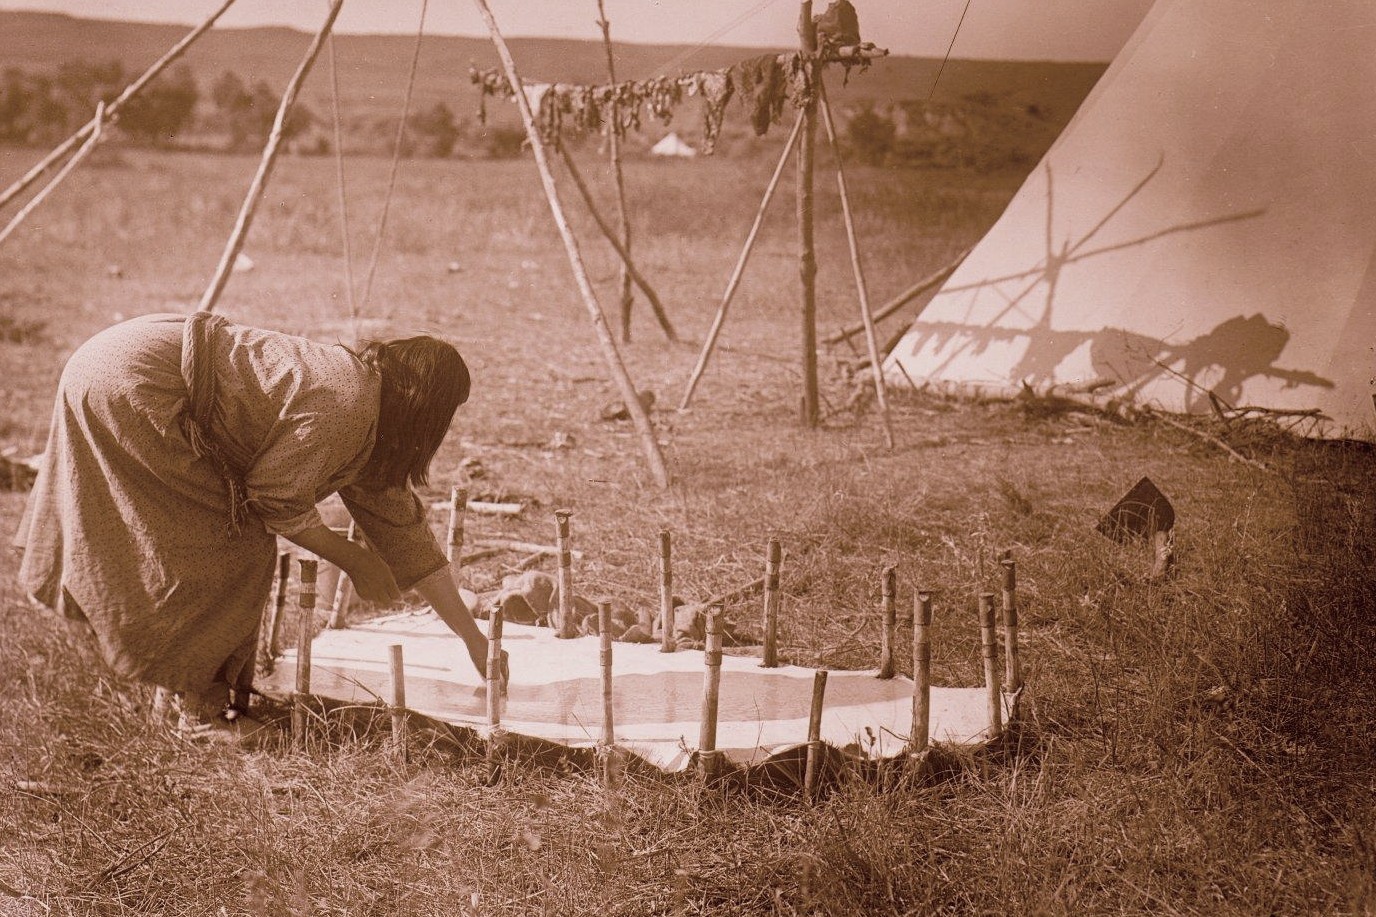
x,y
441,592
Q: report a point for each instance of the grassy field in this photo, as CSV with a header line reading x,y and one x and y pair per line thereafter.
x,y
1202,745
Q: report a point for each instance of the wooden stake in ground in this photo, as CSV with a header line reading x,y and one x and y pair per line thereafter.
x,y
614,158
667,643
260,179
773,560
86,148
1012,664
607,747
494,668
861,291
627,264
807,254
110,110
890,618
604,635
814,736
739,271
922,673
708,756
277,613
343,593
988,648
397,670
564,626
617,368
305,630
458,507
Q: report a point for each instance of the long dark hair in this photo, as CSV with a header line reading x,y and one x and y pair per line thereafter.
x,y
424,380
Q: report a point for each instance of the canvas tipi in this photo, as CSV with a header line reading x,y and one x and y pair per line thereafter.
x,y
672,144
1206,223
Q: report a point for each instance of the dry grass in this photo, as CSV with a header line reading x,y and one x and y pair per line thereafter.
x,y
1201,745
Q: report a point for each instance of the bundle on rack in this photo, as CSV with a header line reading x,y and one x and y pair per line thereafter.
x,y
763,84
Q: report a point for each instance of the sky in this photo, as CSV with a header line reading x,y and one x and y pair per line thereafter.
x,y
1090,30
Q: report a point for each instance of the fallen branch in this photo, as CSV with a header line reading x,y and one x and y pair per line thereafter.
x,y
1214,440
482,554
269,158
507,544
739,592
484,508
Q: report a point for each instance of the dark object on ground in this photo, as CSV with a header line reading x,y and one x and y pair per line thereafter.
x,y
616,410
16,476
1142,513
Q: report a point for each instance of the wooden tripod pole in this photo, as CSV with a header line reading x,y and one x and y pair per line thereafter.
x,y
260,179
933,279
711,342
614,159
67,167
112,109
807,254
649,443
871,342
625,253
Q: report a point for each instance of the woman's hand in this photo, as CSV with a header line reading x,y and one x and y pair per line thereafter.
x,y
443,595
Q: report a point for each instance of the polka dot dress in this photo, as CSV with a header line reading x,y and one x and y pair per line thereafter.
x,y
127,529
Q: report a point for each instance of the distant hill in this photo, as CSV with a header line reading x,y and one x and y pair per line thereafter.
x,y
373,68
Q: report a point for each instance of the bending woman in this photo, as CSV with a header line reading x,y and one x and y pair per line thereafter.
x,y
181,446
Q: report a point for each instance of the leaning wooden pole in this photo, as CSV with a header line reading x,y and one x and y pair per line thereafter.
x,y
112,109
305,630
933,279
807,253
260,178
861,290
614,159
627,264
91,143
617,368
710,344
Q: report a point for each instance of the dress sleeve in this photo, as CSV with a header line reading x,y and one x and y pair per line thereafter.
x,y
394,521
304,452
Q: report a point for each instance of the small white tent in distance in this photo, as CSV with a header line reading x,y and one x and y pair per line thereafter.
x,y
672,144
1205,224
